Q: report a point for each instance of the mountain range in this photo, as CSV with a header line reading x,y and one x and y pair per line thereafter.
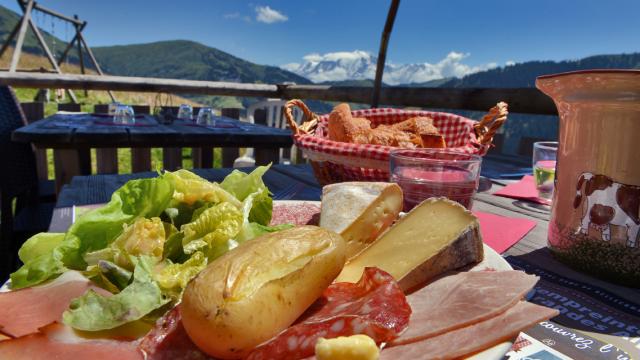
x,y
184,59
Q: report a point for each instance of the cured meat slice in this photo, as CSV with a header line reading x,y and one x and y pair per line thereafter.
x,y
169,341
462,299
374,306
25,311
296,213
56,341
473,338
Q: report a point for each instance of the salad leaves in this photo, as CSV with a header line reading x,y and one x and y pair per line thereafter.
x,y
93,312
93,231
148,242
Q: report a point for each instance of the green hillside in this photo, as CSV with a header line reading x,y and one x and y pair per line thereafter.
x,y
181,59
524,74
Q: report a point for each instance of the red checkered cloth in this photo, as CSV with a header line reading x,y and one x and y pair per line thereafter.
x,y
364,162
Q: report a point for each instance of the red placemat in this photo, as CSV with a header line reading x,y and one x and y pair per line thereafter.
x,y
103,115
501,232
108,123
525,189
217,125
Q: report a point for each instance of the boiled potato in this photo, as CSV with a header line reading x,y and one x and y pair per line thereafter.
x,y
258,289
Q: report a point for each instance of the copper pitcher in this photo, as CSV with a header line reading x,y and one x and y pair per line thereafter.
x,y
595,216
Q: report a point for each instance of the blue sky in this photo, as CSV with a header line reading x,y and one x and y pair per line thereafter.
x,y
488,31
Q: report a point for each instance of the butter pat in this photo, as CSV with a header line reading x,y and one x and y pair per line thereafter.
x,y
355,347
360,211
436,236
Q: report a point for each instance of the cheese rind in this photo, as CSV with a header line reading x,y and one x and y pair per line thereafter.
x,y
360,211
437,236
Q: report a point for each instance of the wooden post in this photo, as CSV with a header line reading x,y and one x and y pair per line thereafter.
x,y
94,61
69,163
21,35
80,57
382,54
44,46
34,111
229,155
63,57
12,35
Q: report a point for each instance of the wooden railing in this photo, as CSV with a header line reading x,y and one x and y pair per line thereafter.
x,y
520,100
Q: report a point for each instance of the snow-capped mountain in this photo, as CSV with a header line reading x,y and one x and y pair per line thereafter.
x,y
358,65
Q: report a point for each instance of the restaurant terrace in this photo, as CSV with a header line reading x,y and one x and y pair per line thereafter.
x,y
530,194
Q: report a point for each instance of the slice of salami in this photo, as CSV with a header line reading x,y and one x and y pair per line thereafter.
x,y
169,340
375,306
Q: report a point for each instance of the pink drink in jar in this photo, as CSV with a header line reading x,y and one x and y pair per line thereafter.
x,y
425,173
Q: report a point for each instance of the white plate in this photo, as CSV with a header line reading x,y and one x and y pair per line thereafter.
x,y
491,260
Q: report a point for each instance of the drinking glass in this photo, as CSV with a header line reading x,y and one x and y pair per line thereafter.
x,y
185,112
544,168
206,117
111,109
425,173
124,115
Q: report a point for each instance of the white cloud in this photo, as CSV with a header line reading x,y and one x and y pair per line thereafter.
x,y
234,15
268,15
360,64
510,63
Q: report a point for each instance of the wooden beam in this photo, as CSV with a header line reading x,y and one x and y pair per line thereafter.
x,y
13,33
521,100
47,52
81,57
63,57
94,61
382,54
55,13
137,84
21,35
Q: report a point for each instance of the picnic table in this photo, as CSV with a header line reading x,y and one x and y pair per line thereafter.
x,y
584,301
72,135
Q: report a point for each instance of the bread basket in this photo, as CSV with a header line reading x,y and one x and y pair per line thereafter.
x,y
335,161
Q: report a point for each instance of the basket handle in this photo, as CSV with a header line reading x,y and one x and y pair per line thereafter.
x,y
486,128
309,120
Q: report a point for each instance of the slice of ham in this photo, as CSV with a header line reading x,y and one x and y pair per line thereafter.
x,y
375,306
56,341
169,341
25,311
473,338
459,300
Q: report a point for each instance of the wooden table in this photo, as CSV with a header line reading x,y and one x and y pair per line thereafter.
x,y
71,137
574,293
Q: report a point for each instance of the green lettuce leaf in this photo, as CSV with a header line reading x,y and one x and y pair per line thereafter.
x,y
143,237
190,188
242,185
173,278
38,270
98,228
93,231
93,312
213,231
39,244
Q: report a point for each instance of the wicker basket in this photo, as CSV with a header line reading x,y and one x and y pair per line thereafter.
x,y
335,161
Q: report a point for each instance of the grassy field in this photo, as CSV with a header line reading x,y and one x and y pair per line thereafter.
x,y
90,99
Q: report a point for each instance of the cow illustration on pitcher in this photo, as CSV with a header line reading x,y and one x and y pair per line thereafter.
x,y
610,209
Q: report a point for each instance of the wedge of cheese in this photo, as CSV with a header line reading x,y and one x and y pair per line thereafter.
x,y
436,236
360,211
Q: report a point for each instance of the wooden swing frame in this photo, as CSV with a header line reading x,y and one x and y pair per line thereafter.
x,y
78,41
